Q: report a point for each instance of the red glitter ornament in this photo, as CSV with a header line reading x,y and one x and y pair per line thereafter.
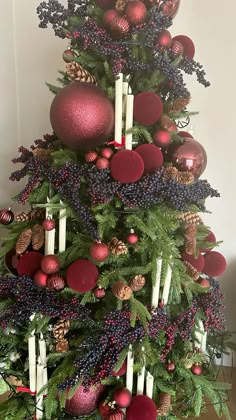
x,y
119,27
100,293
91,156
102,163
136,12
122,397
107,152
197,263
141,408
55,282
148,108
82,275
126,166
188,45
215,264
68,55
164,39
82,115
50,264
196,370
105,4
40,279
84,401
162,138
170,8
152,157
177,48
99,252
209,238
185,134
48,224
6,217
204,283
29,263
132,238
170,367
121,371
108,17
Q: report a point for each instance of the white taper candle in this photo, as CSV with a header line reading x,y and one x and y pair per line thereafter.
x,y
62,229
32,362
156,286
118,108
201,337
149,385
39,396
125,93
129,120
167,284
130,369
49,235
43,356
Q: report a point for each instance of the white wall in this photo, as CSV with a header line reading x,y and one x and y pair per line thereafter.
x,y
31,56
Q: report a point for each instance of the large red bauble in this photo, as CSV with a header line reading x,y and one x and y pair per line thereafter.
x,y
188,45
105,4
148,108
121,371
126,166
152,157
188,156
82,275
141,408
99,252
164,39
109,17
82,116
170,8
40,278
84,401
209,238
162,138
136,12
122,397
50,264
185,134
215,264
197,263
29,263
6,217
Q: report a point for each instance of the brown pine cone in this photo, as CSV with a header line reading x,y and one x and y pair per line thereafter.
x,y
190,217
137,283
76,72
62,346
117,247
190,246
25,216
121,290
121,5
171,171
23,241
43,154
190,231
185,178
61,328
38,235
191,271
164,404
13,380
178,105
55,282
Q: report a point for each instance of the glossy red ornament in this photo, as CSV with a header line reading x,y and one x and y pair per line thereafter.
x,y
189,156
100,293
102,163
6,217
162,138
185,134
170,367
55,282
197,263
68,55
209,238
109,17
188,45
215,264
105,4
148,108
91,156
164,39
84,401
136,12
119,27
177,48
48,224
107,152
122,371
104,409
132,238
152,157
170,8
122,397
204,283
117,414
82,275
29,263
141,408
99,252
50,264
126,166
40,279
82,116
196,370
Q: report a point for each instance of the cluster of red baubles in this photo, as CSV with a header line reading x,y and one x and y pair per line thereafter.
x,y
101,162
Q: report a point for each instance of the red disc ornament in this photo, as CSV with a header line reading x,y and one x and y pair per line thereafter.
x,y
108,17
102,163
29,263
50,264
170,8
105,4
121,371
141,408
152,157
148,108
215,264
209,238
185,134
99,252
100,293
188,45
136,12
84,401
196,370
107,153
197,263
122,397
162,138
119,27
82,275
82,116
188,156
6,217
126,166
40,279
67,55
48,224
164,39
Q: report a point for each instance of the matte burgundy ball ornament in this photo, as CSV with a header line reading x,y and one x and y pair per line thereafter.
x,y
40,279
196,370
82,276
188,45
136,12
29,263
132,238
197,263
164,39
126,166
100,293
141,408
84,401
152,157
99,252
189,156
82,116
215,264
50,264
162,138
209,238
122,397
6,217
148,108
102,163
48,224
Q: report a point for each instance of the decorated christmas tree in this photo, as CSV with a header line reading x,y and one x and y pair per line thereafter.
x,y
110,308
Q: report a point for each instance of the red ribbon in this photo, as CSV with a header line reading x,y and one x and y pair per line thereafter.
x,y
23,389
122,144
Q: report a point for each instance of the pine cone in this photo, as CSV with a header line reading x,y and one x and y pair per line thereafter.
x,y
178,105
137,283
191,271
62,346
37,237
121,5
190,246
164,404
76,72
25,216
190,217
43,154
190,242
13,380
55,282
23,241
185,178
117,247
61,328
121,290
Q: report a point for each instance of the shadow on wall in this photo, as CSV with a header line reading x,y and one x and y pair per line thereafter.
x,y
228,282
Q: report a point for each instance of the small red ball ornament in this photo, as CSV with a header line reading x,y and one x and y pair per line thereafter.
x,y
99,252
170,367
132,238
152,157
215,264
6,217
136,12
102,163
185,134
82,276
197,263
119,27
148,108
188,45
177,48
105,4
50,264
100,293
141,408
68,55
48,224
82,116
204,283
55,282
91,156
170,8
109,17
126,166
162,138
122,397
107,153
196,370
29,263
164,39
210,238
122,371
40,279
84,401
